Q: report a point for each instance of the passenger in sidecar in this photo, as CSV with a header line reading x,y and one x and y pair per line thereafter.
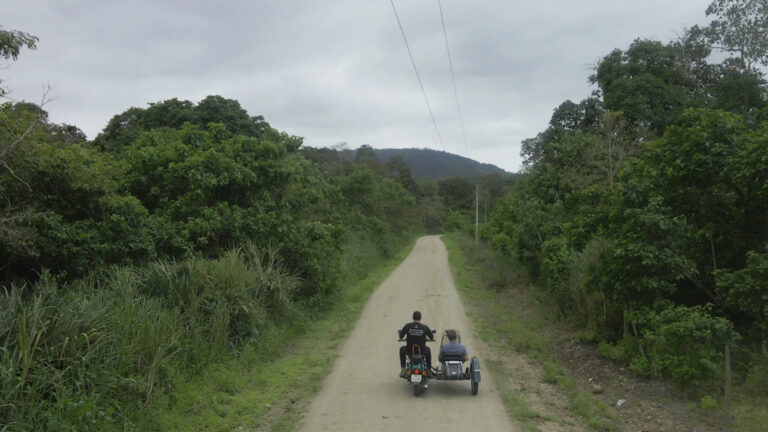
x,y
452,356
453,350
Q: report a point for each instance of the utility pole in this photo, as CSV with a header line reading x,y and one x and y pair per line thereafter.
x,y
477,209
728,398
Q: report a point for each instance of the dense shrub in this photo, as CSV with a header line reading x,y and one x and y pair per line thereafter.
x,y
555,271
683,343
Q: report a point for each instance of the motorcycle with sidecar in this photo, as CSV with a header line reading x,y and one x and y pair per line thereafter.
x,y
450,368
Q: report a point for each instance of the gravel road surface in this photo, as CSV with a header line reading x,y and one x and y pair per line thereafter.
x,y
363,391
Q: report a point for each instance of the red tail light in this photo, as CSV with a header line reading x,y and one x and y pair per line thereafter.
x,y
416,371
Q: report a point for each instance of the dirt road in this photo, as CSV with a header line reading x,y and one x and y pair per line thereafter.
x,y
363,392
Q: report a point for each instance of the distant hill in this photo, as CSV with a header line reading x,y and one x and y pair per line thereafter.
x,y
429,164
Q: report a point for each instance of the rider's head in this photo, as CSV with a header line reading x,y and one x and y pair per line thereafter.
x,y
451,333
416,316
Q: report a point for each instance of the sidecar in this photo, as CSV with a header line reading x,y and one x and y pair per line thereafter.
x,y
452,368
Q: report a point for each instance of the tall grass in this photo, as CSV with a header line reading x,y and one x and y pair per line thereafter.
x,y
88,355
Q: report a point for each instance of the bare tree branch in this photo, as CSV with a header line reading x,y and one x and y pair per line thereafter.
x,y
13,174
15,230
45,99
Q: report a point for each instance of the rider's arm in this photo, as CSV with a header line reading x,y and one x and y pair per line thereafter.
x,y
428,332
403,331
466,355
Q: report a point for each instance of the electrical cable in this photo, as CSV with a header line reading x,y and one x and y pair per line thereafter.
x,y
418,77
453,76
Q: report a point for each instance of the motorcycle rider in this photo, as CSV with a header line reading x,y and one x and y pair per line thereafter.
x,y
417,334
453,349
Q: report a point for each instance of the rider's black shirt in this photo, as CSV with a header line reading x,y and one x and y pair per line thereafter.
x,y
417,334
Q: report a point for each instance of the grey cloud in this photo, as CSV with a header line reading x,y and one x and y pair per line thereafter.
x,y
334,71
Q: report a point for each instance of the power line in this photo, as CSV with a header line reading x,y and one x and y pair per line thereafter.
x,y
453,77
418,77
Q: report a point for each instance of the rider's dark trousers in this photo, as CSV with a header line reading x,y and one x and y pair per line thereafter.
x,y
424,350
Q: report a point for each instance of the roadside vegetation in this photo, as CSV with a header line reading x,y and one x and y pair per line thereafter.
x,y
144,272
148,275
269,384
641,213
145,275
496,295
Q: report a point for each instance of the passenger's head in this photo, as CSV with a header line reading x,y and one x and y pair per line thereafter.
x,y
416,316
451,333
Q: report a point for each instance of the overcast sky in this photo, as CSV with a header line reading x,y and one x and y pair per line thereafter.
x,y
334,71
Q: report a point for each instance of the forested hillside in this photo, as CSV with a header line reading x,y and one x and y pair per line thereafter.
x,y
643,209
427,164
424,164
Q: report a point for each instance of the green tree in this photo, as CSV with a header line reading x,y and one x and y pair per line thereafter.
x,y
736,90
401,172
457,193
693,49
358,190
11,44
522,222
572,116
492,188
701,169
96,224
126,127
745,290
616,142
649,252
741,28
329,160
367,156
646,83
646,218
217,109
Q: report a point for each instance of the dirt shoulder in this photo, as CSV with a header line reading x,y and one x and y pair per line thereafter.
x,y
648,405
549,379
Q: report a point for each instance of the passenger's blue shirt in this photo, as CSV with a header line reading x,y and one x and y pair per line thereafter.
x,y
453,349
